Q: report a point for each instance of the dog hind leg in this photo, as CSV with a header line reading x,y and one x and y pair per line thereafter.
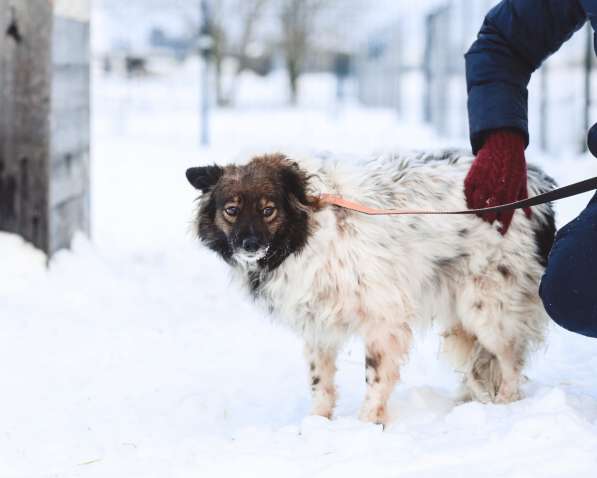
x,y
502,312
464,352
483,374
458,346
498,365
496,376
511,360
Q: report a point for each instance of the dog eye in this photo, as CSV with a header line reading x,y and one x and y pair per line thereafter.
x,y
231,211
268,211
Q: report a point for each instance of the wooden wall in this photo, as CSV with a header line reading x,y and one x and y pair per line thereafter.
x,y
25,84
44,121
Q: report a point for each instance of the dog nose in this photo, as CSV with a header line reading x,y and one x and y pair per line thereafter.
x,y
250,244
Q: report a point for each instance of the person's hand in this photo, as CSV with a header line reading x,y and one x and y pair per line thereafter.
x,y
498,176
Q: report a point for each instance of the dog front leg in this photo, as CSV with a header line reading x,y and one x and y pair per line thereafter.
x,y
322,370
386,349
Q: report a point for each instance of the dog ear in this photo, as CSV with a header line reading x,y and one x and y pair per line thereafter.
x,y
295,182
205,177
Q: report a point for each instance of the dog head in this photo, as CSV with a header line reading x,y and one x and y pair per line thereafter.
x,y
255,215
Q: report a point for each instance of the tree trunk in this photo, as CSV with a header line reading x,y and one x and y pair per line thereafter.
x,y
293,77
221,99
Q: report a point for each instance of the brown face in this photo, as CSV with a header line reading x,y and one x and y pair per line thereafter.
x,y
255,215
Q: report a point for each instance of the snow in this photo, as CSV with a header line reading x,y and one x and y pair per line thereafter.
x,y
133,356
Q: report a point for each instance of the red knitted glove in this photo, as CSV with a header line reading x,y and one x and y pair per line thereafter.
x,y
498,176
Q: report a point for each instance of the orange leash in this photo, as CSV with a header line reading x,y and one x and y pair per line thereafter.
x,y
371,211
560,193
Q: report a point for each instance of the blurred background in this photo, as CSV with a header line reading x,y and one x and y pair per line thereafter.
x,y
403,56
217,79
211,79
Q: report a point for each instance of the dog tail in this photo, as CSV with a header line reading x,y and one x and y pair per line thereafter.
x,y
458,347
481,370
543,215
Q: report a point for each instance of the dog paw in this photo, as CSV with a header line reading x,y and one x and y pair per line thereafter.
x,y
507,395
480,391
374,414
463,395
322,411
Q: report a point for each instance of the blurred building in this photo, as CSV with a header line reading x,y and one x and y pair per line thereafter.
x,y
415,64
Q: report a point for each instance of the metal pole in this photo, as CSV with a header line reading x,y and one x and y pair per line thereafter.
x,y
544,108
205,102
205,45
587,83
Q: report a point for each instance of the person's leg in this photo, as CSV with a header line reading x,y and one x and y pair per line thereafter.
x,y
569,286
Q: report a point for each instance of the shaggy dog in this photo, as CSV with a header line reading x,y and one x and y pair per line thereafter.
x,y
330,273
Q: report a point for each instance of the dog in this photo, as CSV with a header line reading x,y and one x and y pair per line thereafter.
x,y
330,273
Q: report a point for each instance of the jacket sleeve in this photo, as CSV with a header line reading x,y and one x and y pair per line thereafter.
x,y
516,36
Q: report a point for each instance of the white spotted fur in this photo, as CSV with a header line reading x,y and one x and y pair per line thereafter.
x,y
381,277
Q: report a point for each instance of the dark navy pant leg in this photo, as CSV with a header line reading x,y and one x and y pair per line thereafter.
x,y
569,286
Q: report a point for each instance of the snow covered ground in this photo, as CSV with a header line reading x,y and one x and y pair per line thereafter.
x,y
132,356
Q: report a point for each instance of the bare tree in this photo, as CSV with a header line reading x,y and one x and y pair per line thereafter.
x,y
234,28
297,21
236,42
306,25
297,27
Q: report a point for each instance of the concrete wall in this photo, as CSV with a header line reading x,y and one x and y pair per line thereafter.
x,y
69,129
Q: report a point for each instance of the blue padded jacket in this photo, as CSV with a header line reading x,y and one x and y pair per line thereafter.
x,y
516,36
